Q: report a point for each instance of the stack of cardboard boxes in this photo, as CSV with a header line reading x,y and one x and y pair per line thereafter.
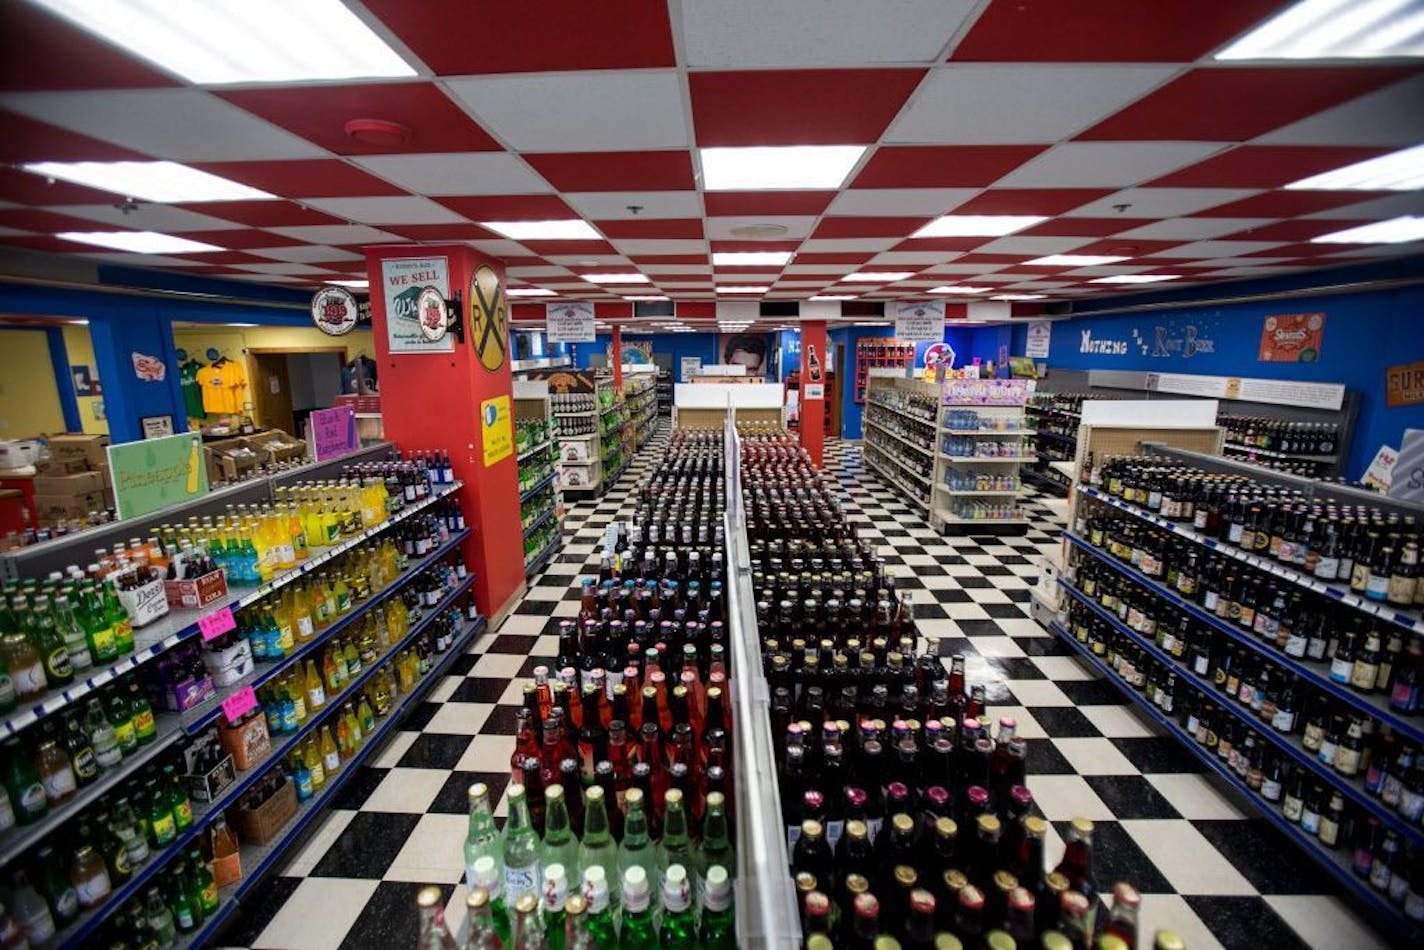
x,y
74,480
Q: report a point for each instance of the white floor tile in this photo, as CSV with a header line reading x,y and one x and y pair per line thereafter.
x,y
997,647
407,790
1324,921
394,749
1189,862
486,754
1064,797
1172,912
1061,668
297,927
328,830
462,719
1195,796
1120,722
497,665
1028,727
523,625
966,612
1094,756
434,853
1038,693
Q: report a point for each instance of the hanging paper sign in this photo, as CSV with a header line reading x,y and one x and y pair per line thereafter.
x,y
217,623
1040,335
570,322
239,704
1407,478
333,432
1291,338
919,319
334,311
434,314
402,281
496,432
690,367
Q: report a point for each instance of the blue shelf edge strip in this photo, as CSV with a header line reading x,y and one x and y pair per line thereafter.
x,y
540,520
543,483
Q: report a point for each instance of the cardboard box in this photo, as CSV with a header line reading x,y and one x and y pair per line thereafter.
x,y
50,509
230,665
276,446
205,786
196,593
577,448
78,483
62,466
145,604
261,824
230,460
91,448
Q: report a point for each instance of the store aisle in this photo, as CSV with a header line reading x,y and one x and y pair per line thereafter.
x,y
1161,823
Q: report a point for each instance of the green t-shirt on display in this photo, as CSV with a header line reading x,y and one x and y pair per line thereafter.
x,y
192,392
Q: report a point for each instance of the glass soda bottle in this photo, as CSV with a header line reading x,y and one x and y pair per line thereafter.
x,y
679,920
521,849
719,928
639,930
434,935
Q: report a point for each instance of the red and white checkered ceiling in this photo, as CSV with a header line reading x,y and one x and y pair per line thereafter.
x,y
1109,117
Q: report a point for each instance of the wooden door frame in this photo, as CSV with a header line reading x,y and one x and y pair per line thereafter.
x,y
250,353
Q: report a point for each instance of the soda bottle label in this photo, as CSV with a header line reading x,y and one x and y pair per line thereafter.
x,y
332,761
519,881
164,830
60,784
143,724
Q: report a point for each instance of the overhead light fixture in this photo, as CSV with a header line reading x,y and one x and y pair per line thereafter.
x,y
77,323
872,323
778,167
240,325
1397,171
530,292
1135,279
1074,260
742,289
358,284
1018,297
633,278
645,298
877,276
566,230
959,289
139,242
750,258
1409,227
1335,29
225,41
149,181
977,225
833,297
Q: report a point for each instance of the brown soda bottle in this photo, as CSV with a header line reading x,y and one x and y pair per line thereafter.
x,y
1077,865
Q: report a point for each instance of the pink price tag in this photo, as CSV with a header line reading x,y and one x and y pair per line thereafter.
x,y
216,623
239,703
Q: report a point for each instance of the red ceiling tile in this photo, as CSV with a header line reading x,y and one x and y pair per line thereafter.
x,y
1299,229
652,229
43,51
942,166
1232,104
1045,201
616,171
613,311
1124,247
802,107
1081,227
1284,204
320,114
20,187
752,203
940,244
241,238
528,311
453,39
993,259
697,310
224,258
1306,249
1264,166
681,278
22,139
318,178
556,248
442,232
524,261
511,207
1107,31
48,242
645,259
831,257
868,227
49,222
264,214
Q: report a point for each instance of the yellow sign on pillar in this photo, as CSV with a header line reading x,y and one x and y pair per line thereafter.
x,y
496,430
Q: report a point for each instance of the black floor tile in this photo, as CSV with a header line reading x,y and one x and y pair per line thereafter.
x,y
454,796
1266,858
479,689
461,665
1005,611
1130,796
433,750
359,787
1159,754
367,846
390,917
1116,857
1063,722
517,644
254,914
980,628
1044,758
536,608
419,717
1244,923
1093,693
502,721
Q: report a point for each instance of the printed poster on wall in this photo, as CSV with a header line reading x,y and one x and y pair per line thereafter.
x,y
919,319
1292,338
570,322
1040,334
402,280
496,430
1404,384
156,473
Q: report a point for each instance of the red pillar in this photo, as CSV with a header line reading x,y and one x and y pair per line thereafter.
x,y
617,355
432,400
814,360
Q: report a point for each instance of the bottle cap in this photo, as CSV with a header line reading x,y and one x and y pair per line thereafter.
x,y
553,793
805,882
1082,826
884,942
575,905
477,899
922,901
856,829
1168,940
428,897
716,799
1073,903
1004,881
945,827
672,797
677,895
902,823
1021,899
988,824
905,875
1053,940
478,790
1035,826
866,905
947,941
856,883
718,895
816,904
999,940
818,942
1021,796
526,904
978,796
1125,893
485,875
812,828
634,796
594,793
556,887
972,899
635,889
955,879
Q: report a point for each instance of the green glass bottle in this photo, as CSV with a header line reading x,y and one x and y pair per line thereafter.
x,y
98,629
118,619
639,930
177,799
636,848
678,927
716,848
162,828
675,846
141,713
597,848
55,885
602,928
483,837
560,845
190,882
481,933
576,932
521,849
49,644
160,918
719,926
121,718
66,622
486,875
22,781
185,911
555,892
204,882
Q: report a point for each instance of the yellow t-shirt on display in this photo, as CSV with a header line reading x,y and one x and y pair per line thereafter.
x,y
224,388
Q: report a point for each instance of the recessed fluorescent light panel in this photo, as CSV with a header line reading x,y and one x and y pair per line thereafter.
x,y
217,42
150,181
877,276
1018,297
1335,29
977,225
360,284
1397,171
959,289
750,258
1407,227
780,167
139,242
1135,279
833,297
742,289
645,298
1074,260
615,278
570,230
530,292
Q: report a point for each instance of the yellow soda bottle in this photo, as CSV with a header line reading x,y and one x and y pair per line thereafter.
x,y
397,619
297,531
330,754
353,726
280,614
328,596
297,695
352,658
344,744
311,757
341,594
298,607
314,687
330,523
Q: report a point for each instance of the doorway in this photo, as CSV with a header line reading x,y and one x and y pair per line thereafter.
x,y
288,384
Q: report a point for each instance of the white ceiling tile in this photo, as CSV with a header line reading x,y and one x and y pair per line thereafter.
x,y
458,173
929,202
797,226
306,253
589,260
178,124
1109,270
914,257
1159,202
1006,104
390,209
1038,284
660,246
821,268
653,270
531,273
499,247
1036,246
614,205
1389,206
280,268
1105,164
603,110
965,268
1390,116
152,217
850,245
142,260
1381,250
747,34
1205,249
1189,229
337,234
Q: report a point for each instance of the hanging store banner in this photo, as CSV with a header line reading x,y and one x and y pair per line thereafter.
x,y
1040,335
1291,338
918,319
402,280
570,322
333,432
156,473
496,431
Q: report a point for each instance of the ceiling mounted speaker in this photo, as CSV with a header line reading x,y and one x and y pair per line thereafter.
x,y
759,231
377,132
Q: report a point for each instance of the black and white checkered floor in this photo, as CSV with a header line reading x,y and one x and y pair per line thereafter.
x,y
1206,869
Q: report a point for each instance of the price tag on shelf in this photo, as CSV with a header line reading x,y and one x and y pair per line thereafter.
x,y
239,703
216,624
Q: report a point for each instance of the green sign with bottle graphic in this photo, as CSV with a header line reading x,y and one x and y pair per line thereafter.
x,y
156,473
